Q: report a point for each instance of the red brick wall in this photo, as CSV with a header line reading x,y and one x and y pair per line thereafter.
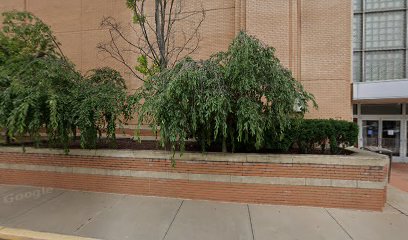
x,y
369,199
288,194
365,173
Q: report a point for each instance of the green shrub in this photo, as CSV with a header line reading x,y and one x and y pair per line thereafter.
x,y
344,134
100,106
314,133
286,143
233,100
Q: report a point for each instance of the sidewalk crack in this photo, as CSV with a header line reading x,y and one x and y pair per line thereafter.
x,y
338,223
397,209
250,222
174,218
97,214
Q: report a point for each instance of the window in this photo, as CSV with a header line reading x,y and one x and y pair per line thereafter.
x,y
357,67
355,111
384,30
357,6
357,32
381,109
383,4
379,40
381,65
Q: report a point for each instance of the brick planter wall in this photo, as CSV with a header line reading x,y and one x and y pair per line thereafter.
x,y
355,181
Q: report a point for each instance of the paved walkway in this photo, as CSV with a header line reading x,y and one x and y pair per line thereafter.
x,y
113,216
399,176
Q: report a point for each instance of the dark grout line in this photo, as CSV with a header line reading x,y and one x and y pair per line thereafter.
x,y
250,222
97,214
397,209
174,218
338,223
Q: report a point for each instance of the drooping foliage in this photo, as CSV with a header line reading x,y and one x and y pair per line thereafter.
x,y
41,92
234,99
101,106
36,80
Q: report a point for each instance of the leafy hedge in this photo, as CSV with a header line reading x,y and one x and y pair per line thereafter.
x,y
313,135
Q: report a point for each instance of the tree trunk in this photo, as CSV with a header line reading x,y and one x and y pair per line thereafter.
x,y
160,22
224,145
74,133
8,140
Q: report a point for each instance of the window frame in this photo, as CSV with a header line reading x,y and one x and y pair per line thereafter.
x,y
363,50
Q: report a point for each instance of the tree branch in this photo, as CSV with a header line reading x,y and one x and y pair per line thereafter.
x,y
158,34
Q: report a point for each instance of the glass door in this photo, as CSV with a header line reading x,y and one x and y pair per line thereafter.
x,y
370,133
391,136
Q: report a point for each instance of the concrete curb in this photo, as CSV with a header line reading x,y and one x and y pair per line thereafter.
x,y
357,158
22,234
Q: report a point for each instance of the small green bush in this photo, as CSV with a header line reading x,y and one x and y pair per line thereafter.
x,y
311,135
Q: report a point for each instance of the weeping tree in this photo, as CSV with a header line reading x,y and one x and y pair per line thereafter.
x,y
162,32
41,92
36,79
236,98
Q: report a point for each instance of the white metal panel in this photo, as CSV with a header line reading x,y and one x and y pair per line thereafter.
x,y
380,90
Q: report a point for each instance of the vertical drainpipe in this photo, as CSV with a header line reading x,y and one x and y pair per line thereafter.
x,y
351,72
299,39
237,16
290,36
243,14
240,15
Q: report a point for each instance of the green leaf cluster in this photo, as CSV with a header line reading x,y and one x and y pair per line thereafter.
x,y
41,92
312,135
100,106
232,100
145,68
317,133
138,17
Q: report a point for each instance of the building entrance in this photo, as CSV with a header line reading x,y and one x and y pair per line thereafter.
x,y
382,129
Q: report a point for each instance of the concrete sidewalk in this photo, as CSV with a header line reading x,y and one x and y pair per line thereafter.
x,y
113,216
399,176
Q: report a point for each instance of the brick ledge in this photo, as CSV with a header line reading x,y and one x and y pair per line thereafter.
x,y
357,158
